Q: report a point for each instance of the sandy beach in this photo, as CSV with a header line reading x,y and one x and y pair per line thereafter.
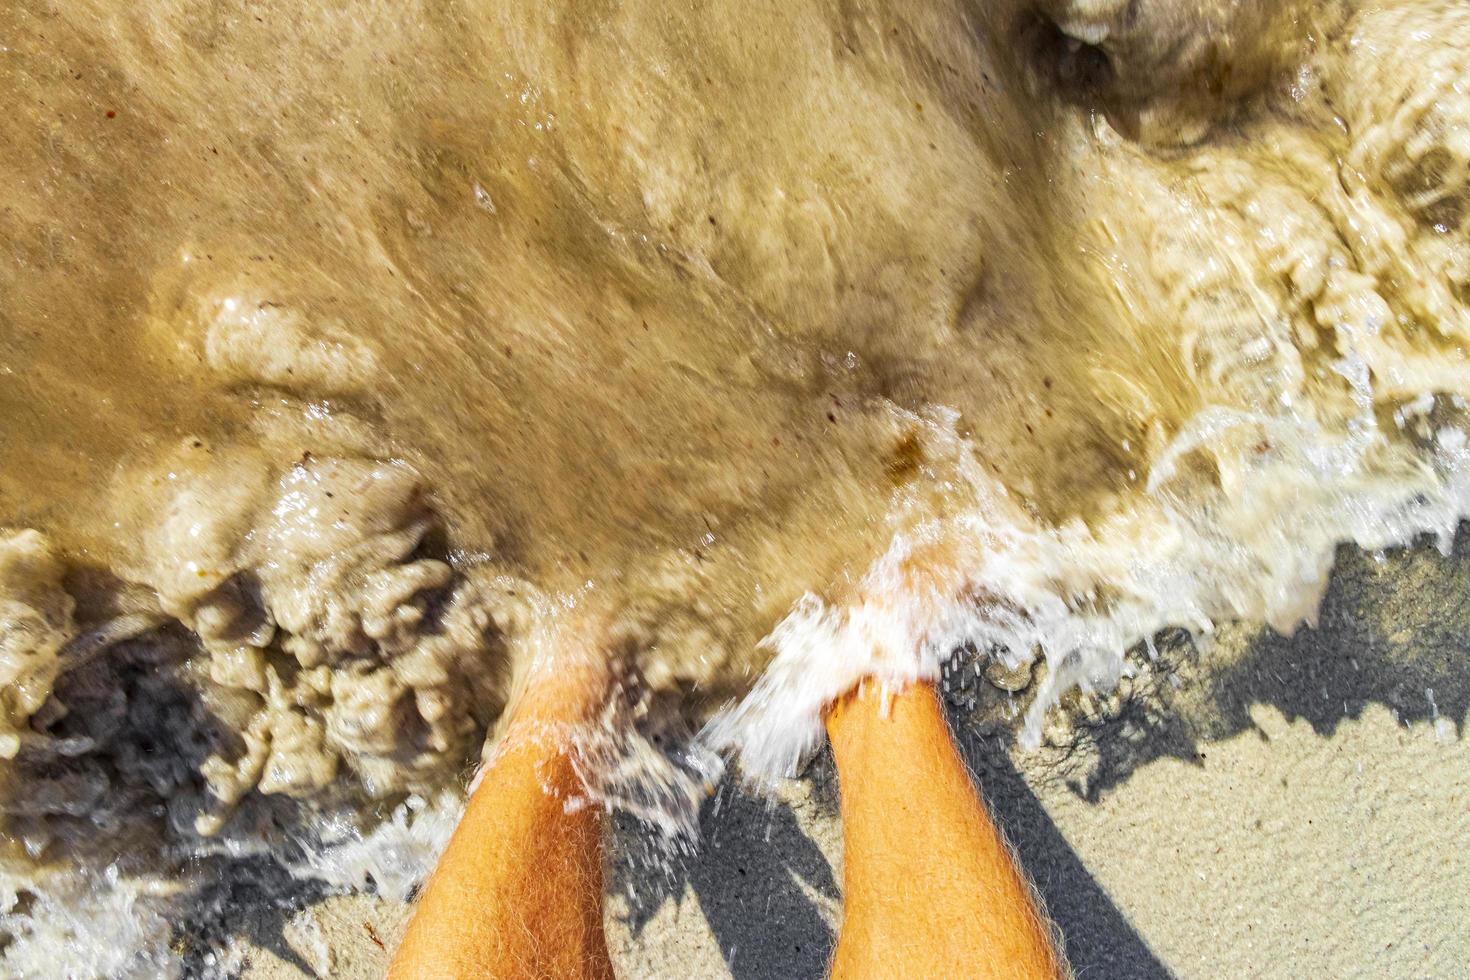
x,y
1265,807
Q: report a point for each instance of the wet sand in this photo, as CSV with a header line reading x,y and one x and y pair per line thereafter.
x,y
1296,811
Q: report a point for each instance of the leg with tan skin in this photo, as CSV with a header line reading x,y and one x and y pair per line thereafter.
x,y
929,886
518,891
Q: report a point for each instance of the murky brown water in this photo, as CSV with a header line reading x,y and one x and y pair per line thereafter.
x,y
330,333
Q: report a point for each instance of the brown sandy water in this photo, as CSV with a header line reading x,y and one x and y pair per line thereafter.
x,y
340,344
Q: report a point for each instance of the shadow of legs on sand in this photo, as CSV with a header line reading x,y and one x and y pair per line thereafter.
x,y
762,882
757,882
1099,940
759,879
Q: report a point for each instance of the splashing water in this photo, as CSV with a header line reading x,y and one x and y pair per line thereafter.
x,y
340,348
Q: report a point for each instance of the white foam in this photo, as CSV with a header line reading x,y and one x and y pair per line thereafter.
x,y
392,858
1258,546
85,924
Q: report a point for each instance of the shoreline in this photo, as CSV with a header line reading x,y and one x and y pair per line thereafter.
x,y
1279,817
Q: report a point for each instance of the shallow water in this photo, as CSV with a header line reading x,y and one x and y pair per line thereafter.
x,y
345,347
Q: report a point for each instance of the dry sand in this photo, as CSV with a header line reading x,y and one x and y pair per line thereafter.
x,y
1283,808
